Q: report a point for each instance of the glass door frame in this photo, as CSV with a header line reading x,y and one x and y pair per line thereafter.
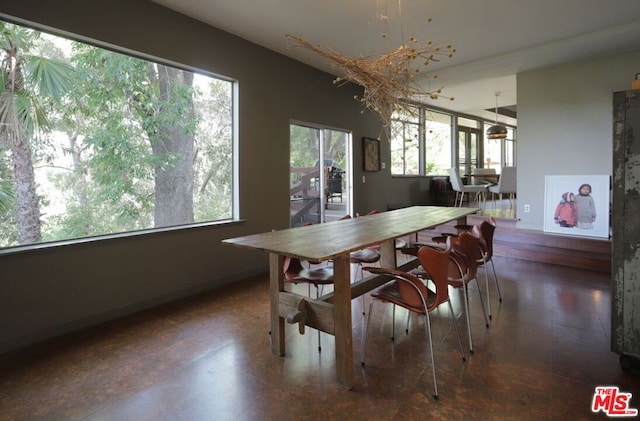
x,y
322,185
468,135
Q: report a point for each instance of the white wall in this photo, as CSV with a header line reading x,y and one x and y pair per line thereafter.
x,y
565,124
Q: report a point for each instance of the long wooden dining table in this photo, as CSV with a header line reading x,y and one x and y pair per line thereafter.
x,y
334,241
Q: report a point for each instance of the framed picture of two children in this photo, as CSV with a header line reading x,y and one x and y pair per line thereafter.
x,y
577,205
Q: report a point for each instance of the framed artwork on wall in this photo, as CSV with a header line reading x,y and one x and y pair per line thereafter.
x,y
371,148
577,205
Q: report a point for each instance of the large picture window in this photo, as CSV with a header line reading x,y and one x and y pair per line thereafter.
x,y
406,143
420,142
93,142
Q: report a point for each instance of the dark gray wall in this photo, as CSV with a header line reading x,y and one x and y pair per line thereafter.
x,y
49,291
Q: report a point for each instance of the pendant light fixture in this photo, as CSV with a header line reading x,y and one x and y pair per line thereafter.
x,y
497,131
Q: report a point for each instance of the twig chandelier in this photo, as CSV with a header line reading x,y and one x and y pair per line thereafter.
x,y
389,78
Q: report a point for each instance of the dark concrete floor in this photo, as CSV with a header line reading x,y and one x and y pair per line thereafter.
x,y
208,358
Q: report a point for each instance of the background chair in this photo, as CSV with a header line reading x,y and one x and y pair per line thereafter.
x,y
295,273
360,257
460,188
463,269
369,255
484,232
507,184
409,292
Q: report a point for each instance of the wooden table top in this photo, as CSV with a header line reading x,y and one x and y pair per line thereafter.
x,y
321,242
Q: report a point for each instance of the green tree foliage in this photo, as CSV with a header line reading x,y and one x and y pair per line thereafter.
x,y
132,144
30,84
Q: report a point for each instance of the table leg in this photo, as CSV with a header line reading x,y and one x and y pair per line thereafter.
x,y
388,254
342,320
462,221
276,284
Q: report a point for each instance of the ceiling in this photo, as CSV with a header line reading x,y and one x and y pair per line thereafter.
x,y
494,39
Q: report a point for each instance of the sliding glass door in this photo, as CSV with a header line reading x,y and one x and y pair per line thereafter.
x,y
320,175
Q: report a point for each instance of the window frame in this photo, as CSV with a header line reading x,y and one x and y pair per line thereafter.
x,y
479,123
234,197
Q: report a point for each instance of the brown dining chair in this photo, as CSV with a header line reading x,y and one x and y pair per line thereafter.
x,y
369,255
485,231
408,291
360,258
295,273
463,268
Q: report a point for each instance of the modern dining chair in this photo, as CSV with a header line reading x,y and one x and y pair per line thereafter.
x,y
484,231
295,273
463,269
408,291
507,184
460,188
365,256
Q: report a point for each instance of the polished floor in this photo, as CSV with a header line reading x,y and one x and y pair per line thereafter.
x,y
208,358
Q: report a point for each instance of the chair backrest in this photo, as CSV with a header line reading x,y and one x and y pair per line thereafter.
x,y
371,212
485,231
463,265
508,182
454,177
291,268
436,263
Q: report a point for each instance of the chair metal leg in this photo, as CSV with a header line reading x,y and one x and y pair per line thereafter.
x,y
363,295
484,311
427,328
427,324
466,313
393,323
495,277
319,343
486,285
459,199
455,325
406,329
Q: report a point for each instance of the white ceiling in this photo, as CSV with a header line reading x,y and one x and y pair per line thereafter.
x,y
495,39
